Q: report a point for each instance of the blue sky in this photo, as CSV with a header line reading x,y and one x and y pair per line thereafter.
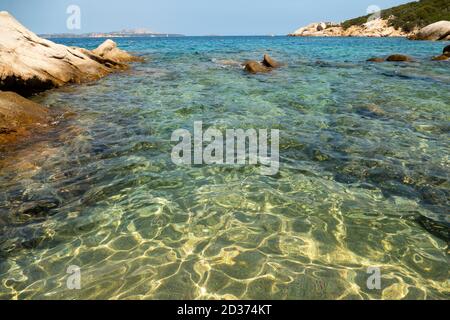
x,y
189,17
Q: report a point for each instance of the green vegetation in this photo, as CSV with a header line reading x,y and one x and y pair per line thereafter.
x,y
411,15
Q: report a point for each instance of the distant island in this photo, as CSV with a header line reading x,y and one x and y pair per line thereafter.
x,y
405,20
141,32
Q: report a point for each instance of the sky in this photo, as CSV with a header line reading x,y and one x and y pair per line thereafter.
x,y
188,17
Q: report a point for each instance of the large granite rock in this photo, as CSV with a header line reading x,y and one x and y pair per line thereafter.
x,y
436,31
31,64
18,115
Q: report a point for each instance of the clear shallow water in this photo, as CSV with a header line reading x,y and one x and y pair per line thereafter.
x,y
364,177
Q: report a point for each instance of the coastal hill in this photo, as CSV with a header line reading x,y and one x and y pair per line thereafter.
x,y
142,32
400,21
410,16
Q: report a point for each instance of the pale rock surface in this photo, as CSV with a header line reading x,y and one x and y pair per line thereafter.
x,y
30,64
436,31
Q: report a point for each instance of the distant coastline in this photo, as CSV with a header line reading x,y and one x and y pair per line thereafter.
x,y
114,34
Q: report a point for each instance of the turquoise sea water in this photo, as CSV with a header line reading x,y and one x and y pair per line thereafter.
x,y
363,182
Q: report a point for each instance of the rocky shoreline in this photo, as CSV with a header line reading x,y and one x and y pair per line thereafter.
x,y
374,28
30,64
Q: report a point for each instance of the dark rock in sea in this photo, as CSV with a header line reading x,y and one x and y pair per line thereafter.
x,y
442,57
447,50
371,110
255,67
41,207
375,60
398,58
436,228
434,196
269,62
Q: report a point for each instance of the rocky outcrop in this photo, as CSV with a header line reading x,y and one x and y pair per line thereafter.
x,y
266,65
435,31
18,116
31,64
109,50
269,62
372,28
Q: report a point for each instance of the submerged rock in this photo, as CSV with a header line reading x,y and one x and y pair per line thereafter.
x,y
18,115
31,64
375,60
398,58
255,67
436,31
442,57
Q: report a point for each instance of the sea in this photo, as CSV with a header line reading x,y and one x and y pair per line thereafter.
x,y
359,208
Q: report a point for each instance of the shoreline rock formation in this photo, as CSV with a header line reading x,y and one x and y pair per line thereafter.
x,y
372,28
30,64
18,115
438,31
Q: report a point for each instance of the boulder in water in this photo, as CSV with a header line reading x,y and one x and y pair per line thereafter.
x,y
269,62
255,67
398,58
446,50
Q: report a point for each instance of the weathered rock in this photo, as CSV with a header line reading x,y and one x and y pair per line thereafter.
x,y
398,58
109,50
18,115
446,50
375,60
255,67
31,64
269,62
442,57
436,31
